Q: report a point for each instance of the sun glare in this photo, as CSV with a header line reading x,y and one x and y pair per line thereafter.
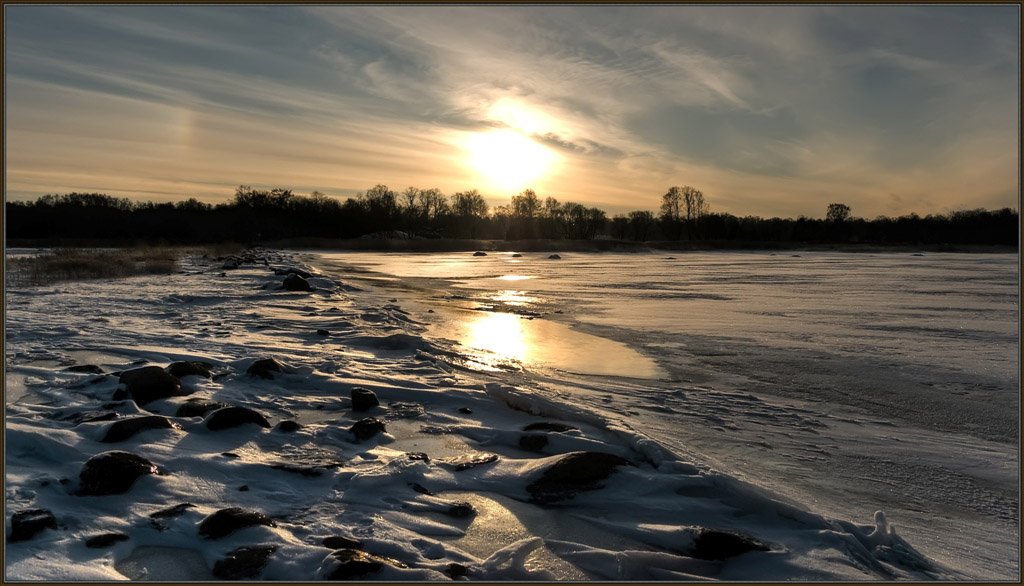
x,y
506,160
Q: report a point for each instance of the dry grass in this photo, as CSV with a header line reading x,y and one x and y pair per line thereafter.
x,y
73,264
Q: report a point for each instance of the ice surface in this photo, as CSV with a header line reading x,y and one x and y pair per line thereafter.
x,y
438,397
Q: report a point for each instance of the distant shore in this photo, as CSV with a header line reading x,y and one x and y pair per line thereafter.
x,y
543,245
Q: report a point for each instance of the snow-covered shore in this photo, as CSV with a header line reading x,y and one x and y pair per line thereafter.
x,y
468,477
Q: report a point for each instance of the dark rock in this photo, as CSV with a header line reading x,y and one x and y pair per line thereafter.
x,y
323,333
710,544
180,369
555,257
198,407
363,399
573,473
288,426
244,562
265,368
467,461
418,456
119,395
346,564
230,455
170,512
26,524
303,470
87,368
126,428
294,282
243,488
365,429
227,521
105,540
229,417
341,542
456,570
516,255
229,266
533,442
420,488
112,473
461,509
548,426
479,253
150,383
465,410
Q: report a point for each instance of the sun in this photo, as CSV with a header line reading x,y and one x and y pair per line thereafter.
x,y
507,160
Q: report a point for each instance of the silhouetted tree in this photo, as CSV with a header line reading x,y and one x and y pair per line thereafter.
x,y
837,212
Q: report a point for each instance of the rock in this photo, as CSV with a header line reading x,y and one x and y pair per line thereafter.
x,y
198,407
180,369
461,509
126,428
105,540
323,333
119,395
244,562
711,544
229,265
467,461
517,255
288,426
573,473
170,512
227,521
265,368
229,417
418,456
533,442
420,488
555,257
365,429
293,271
303,470
479,253
26,524
465,410
294,282
112,473
456,570
243,488
548,426
363,399
87,368
347,563
341,542
150,383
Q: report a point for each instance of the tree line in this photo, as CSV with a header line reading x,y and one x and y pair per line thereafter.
x,y
254,215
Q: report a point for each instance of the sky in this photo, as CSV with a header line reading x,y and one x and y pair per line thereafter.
x,y
768,110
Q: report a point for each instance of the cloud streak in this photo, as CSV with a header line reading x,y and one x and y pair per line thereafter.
x,y
769,110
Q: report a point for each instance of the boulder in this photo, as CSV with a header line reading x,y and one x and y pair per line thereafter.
x,y
265,368
323,332
467,461
86,368
150,383
244,562
126,428
365,429
26,524
288,426
227,521
180,369
112,473
711,544
348,564
342,542
105,540
294,282
573,473
555,257
198,407
229,417
363,399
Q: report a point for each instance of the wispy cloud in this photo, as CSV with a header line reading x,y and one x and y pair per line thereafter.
x,y
768,109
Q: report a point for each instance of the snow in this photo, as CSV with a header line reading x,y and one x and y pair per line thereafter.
x,y
636,526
